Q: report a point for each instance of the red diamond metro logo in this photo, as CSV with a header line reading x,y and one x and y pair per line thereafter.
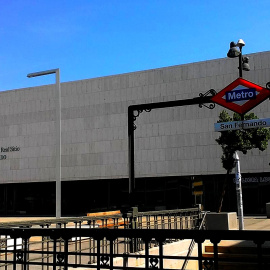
x,y
241,96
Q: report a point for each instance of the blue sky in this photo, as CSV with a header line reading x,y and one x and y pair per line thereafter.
x,y
94,38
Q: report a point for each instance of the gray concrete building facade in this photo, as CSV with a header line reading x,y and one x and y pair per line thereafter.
x,y
173,146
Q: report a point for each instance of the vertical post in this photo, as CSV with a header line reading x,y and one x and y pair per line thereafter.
x,y
216,255
25,253
98,256
66,253
239,192
161,255
240,63
57,134
54,253
131,156
14,253
133,225
200,256
58,144
146,259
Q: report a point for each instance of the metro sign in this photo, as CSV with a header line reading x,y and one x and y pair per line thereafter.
x,y
241,96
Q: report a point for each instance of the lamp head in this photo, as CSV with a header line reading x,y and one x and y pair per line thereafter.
x,y
233,51
246,66
41,73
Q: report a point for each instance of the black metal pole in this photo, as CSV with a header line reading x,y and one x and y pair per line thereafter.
x,y
241,73
240,63
131,186
203,99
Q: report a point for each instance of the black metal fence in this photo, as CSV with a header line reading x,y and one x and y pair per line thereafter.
x,y
46,250
131,241
102,249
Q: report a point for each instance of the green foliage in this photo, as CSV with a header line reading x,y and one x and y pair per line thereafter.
x,y
240,140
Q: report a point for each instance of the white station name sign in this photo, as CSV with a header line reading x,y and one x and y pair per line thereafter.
x,y
246,124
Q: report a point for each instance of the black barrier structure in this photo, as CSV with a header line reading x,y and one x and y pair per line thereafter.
x,y
60,250
135,110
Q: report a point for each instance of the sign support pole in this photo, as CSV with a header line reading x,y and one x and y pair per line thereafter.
x,y
133,113
239,192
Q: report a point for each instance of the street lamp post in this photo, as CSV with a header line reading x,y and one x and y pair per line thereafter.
x,y
235,52
58,134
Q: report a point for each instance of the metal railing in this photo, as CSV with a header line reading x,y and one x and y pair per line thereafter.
x,y
46,250
165,219
201,226
61,252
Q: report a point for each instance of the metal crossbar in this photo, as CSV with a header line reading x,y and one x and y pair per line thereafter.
x,y
143,219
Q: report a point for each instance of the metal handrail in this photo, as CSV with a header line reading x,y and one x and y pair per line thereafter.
x,y
192,244
165,219
61,255
47,222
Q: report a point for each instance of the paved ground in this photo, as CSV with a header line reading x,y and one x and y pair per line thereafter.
x,y
257,223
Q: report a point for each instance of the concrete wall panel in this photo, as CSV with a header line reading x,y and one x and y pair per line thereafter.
x,y
170,141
